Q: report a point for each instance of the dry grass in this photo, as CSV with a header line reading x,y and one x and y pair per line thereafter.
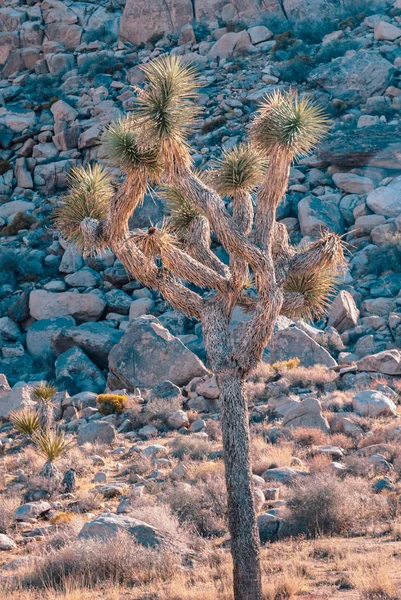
x,y
192,448
373,577
268,456
306,437
8,504
316,376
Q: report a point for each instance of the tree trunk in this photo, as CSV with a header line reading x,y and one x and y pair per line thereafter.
x,y
241,509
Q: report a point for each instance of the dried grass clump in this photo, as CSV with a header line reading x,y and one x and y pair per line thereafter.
x,y
305,437
286,365
268,456
111,404
322,504
92,562
192,448
318,376
8,504
284,586
202,506
372,576
159,409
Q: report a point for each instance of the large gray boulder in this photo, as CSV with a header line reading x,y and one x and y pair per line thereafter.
x,y
15,399
31,510
148,354
385,201
387,362
39,337
108,526
95,339
307,413
318,214
372,403
83,307
356,75
97,431
76,373
295,343
343,312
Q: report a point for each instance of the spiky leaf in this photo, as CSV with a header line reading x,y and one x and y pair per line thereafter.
x,y
25,421
239,169
292,122
180,210
317,289
166,106
44,391
151,241
129,149
89,197
51,444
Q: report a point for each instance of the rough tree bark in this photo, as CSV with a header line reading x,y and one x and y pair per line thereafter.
x,y
150,145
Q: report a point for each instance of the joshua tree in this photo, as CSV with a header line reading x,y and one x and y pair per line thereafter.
x,y
266,276
44,393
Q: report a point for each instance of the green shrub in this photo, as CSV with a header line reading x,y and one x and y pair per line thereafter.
x,y
213,123
335,49
389,259
297,69
111,404
201,30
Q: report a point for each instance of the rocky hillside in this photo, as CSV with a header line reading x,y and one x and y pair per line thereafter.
x,y
325,403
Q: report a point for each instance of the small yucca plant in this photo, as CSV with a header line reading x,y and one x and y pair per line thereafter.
x,y
25,421
109,404
52,445
317,290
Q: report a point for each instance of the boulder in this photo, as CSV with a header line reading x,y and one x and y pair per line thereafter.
x,y
15,399
108,526
31,510
259,34
39,337
6,543
385,201
295,343
355,75
387,362
96,432
317,214
372,403
83,307
228,43
178,419
76,373
307,413
386,31
352,183
139,307
343,312
148,354
95,339
268,526
284,475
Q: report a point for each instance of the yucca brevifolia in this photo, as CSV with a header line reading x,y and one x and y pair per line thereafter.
x,y
266,276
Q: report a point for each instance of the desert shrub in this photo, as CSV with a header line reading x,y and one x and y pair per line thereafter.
x,y
323,504
202,506
213,429
372,576
297,69
8,504
268,456
5,166
96,63
275,22
17,266
201,30
111,404
193,448
318,376
87,502
284,41
99,34
335,49
308,436
42,88
159,409
91,562
312,31
389,258
213,123
286,365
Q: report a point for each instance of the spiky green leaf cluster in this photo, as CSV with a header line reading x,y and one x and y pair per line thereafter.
x,y
51,444
180,210
89,197
166,107
152,240
25,420
44,391
292,122
239,169
129,149
317,289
